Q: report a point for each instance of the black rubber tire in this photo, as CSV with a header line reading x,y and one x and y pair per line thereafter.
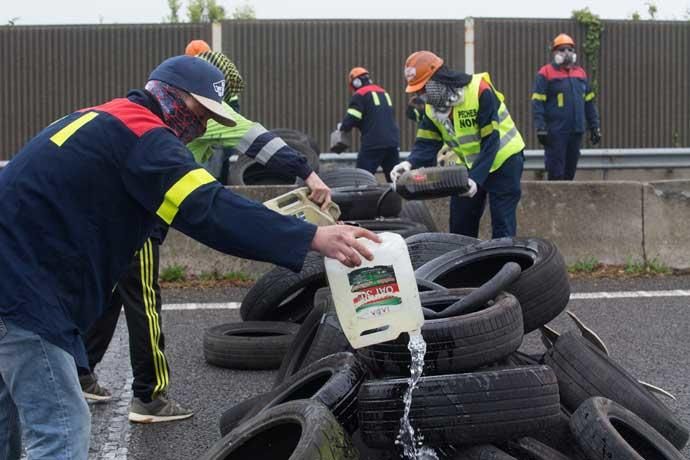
x,y
329,339
298,430
584,372
418,211
333,381
362,202
559,436
424,247
606,430
403,227
347,177
298,135
247,171
298,349
472,408
283,295
231,418
543,288
531,449
456,344
482,452
433,182
249,345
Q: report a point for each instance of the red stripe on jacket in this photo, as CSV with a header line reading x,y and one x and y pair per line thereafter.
x,y
137,118
370,88
551,73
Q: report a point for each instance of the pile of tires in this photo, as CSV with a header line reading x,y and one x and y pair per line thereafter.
x,y
479,396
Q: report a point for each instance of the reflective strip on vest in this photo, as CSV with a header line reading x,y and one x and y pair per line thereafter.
x,y
426,134
388,99
355,113
589,96
466,140
375,96
180,191
539,97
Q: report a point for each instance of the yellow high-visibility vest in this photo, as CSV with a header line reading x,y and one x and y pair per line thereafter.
x,y
466,141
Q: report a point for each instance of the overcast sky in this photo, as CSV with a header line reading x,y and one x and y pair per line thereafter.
x,y
136,11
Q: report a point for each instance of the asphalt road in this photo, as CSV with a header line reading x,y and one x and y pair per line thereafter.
x,y
647,335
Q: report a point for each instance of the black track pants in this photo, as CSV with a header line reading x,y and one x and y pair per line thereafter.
x,y
138,291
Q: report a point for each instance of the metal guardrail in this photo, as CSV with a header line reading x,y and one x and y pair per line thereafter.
x,y
670,158
653,158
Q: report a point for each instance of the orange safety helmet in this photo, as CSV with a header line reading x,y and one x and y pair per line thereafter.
x,y
419,68
562,39
354,74
196,47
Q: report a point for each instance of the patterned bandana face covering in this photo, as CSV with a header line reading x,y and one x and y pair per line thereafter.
x,y
183,121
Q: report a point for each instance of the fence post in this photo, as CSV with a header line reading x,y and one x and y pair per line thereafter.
x,y
469,45
217,37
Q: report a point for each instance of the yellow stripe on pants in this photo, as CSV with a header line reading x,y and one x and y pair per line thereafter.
x,y
149,298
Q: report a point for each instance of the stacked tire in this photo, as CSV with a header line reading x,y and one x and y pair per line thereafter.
x,y
479,396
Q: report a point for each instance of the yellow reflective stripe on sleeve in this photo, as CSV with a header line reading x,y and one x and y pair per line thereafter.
x,y
488,129
375,96
589,96
539,97
355,113
561,100
180,191
426,134
388,99
61,136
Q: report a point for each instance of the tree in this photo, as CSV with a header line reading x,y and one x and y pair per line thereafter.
x,y
652,10
205,11
244,11
635,16
13,21
174,6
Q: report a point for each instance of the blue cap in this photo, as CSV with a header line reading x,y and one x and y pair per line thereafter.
x,y
201,79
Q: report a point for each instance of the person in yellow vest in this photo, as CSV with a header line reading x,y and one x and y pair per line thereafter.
x,y
468,114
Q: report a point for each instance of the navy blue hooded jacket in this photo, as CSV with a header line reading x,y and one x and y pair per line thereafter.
x,y
371,110
84,194
562,101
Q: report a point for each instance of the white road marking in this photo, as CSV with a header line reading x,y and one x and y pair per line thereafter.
x,y
573,296
629,294
201,306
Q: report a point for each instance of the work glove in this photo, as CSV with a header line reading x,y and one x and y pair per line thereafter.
x,y
543,137
595,135
400,169
473,189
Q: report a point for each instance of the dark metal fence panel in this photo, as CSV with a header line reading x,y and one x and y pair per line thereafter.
x,y
644,84
49,71
513,51
296,70
644,92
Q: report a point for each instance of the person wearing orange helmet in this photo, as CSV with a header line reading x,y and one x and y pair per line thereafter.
x,y
371,110
562,107
196,47
469,115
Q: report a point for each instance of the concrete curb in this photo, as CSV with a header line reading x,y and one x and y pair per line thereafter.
x,y
613,222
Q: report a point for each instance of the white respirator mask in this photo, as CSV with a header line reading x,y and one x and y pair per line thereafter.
x,y
564,57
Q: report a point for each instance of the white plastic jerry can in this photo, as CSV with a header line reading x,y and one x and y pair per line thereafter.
x,y
378,300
